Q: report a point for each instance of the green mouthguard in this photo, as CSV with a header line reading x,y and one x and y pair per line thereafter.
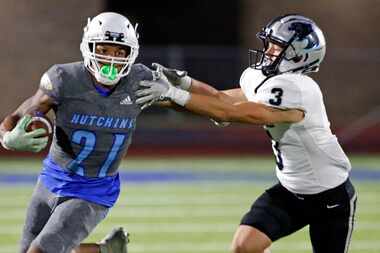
x,y
109,72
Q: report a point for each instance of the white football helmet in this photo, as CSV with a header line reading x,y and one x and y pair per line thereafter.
x,y
110,28
303,44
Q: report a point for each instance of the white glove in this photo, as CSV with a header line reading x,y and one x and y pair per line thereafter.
x,y
158,90
20,140
176,77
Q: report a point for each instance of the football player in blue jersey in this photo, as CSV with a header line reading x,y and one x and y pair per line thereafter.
x,y
95,116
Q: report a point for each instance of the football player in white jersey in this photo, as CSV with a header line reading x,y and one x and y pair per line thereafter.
x,y
313,171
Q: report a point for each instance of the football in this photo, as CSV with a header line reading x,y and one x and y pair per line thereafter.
x,y
40,122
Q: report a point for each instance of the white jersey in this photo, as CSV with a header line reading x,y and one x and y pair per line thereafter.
x,y
308,156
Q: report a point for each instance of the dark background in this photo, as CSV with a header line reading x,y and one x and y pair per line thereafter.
x,y
187,23
209,39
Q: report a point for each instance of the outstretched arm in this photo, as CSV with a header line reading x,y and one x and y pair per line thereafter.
x,y
181,80
216,107
230,96
244,112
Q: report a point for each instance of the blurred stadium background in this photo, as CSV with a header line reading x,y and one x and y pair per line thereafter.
x,y
186,182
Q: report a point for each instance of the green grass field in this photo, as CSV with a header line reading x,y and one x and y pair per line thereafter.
x,y
191,216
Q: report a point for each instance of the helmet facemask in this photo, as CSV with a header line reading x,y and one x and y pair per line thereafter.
x,y
262,60
108,70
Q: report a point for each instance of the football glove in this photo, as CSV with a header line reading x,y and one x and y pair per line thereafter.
x,y
20,140
158,90
176,77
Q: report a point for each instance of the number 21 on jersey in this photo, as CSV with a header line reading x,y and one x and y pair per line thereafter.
x,y
88,140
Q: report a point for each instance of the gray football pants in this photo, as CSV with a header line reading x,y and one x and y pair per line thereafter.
x,y
58,224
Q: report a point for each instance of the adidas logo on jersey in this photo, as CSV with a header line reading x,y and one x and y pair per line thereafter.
x,y
126,101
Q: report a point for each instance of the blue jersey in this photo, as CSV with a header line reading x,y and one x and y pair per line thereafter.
x,y
93,130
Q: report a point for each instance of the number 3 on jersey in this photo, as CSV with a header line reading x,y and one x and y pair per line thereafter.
x,y
278,92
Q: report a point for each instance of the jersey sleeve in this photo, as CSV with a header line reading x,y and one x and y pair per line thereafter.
x,y
51,83
139,72
249,80
282,93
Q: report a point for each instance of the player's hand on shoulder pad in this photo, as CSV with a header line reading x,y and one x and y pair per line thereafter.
x,y
176,77
158,90
18,139
151,91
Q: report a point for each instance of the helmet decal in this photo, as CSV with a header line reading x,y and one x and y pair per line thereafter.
x,y
114,36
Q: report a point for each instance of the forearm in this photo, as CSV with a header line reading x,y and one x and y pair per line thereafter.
x,y
227,106
214,107
37,103
12,118
198,87
24,107
229,96
171,105
29,106
245,112
211,107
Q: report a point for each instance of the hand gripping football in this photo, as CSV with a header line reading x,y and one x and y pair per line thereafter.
x,y
40,122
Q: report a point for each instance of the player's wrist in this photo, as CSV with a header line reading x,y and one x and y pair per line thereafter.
x,y
185,83
5,141
179,96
